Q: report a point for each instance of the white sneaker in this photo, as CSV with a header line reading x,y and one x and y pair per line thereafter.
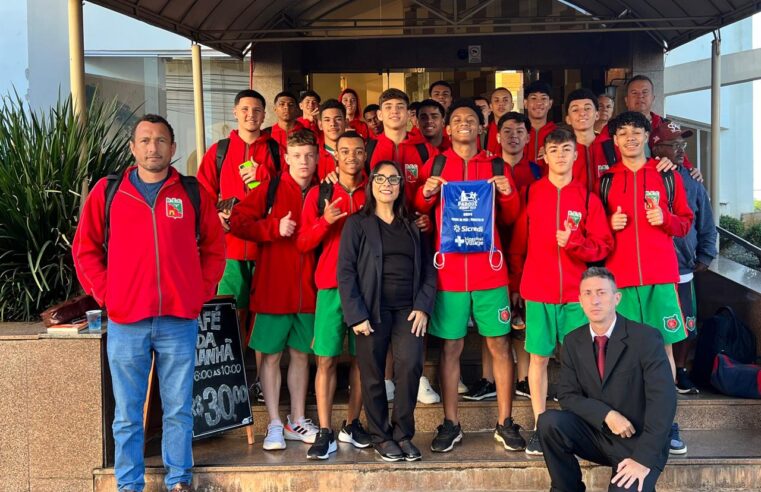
x,y
274,438
389,390
461,388
426,394
301,430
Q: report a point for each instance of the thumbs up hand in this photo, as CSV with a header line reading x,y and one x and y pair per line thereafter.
x,y
287,226
618,219
562,236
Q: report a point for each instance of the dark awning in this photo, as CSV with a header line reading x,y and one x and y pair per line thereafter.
x,y
231,26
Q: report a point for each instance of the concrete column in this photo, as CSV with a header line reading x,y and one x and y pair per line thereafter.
x,y
715,124
77,59
198,105
647,59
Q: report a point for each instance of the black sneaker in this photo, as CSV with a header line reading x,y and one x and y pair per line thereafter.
x,y
447,435
389,451
684,384
522,389
324,444
411,452
354,434
509,435
676,445
482,390
256,390
534,446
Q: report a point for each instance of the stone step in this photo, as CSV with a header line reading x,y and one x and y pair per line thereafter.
x,y
716,460
706,411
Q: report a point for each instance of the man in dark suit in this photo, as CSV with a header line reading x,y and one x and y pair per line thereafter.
x,y
617,395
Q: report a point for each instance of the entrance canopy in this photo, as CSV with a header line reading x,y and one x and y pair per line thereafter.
x,y
233,26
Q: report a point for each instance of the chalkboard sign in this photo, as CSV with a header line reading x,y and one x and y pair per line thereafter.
x,y
220,390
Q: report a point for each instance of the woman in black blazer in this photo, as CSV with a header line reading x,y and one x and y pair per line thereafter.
x,y
387,285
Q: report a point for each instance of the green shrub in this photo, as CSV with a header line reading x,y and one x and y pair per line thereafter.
x,y
733,225
753,234
44,160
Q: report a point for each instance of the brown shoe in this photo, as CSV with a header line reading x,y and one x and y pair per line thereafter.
x,y
181,487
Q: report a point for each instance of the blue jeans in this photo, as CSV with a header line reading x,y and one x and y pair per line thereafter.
x,y
130,346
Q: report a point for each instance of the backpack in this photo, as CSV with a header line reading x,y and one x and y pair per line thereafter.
x,y
224,144
422,150
722,333
734,379
189,183
497,165
606,181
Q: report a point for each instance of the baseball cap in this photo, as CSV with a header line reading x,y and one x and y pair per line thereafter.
x,y
669,130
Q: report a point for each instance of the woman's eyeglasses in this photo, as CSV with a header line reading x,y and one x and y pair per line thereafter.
x,y
382,178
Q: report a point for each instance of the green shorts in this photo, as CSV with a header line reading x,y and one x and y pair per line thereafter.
x,y
490,307
272,332
548,324
329,326
236,281
689,307
656,306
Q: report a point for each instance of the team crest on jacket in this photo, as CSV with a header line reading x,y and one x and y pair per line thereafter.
x,y
652,198
410,171
174,208
573,220
690,321
671,323
504,315
602,169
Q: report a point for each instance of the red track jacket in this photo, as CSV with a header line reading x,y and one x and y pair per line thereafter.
x,y
544,271
471,271
154,267
644,254
284,277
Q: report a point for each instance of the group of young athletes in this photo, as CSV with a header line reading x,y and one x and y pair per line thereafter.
x,y
614,191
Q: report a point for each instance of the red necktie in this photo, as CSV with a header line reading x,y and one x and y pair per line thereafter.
x,y
600,343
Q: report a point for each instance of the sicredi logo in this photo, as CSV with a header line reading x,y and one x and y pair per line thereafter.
x,y
468,201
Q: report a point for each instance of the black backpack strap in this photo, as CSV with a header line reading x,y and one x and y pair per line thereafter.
x,y
274,149
190,183
497,167
112,186
609,150
670,183
606,180
222,147
423,151
271,192
369,150
325,193
438,165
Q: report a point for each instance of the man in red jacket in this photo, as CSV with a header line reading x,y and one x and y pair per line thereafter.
x,y
646,209
323,229
332,118
537,99
286,110
245,155
471,282
430,120
581,113
283,295
370,114
246,145
501,102
411,151
309,104
561,228
153,269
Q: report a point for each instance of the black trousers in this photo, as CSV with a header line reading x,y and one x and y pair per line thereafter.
x,y
394,331
564,434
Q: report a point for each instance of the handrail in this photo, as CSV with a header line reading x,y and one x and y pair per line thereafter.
x,y
738,240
